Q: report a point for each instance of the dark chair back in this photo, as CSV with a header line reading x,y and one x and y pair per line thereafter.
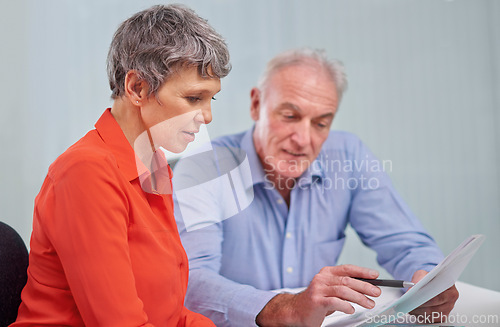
x,y
13,273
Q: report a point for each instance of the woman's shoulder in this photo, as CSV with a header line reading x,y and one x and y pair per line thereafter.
x,y
87,154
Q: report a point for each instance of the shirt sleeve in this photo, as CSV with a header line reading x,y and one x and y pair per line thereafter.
x,y
84,214
385,223
225,302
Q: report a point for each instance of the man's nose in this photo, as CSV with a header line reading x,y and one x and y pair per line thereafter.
x,y
302,133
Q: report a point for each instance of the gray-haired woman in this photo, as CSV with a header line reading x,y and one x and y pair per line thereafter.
x,y
104,248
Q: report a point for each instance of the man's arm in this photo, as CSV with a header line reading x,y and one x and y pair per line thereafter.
x,y
222,300
385,223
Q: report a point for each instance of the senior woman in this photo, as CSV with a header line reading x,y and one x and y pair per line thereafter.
x,y
104,248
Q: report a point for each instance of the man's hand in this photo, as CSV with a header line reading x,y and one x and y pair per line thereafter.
x,y
442,303
330,290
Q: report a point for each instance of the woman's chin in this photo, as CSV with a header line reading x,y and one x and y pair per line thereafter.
x,y
177,147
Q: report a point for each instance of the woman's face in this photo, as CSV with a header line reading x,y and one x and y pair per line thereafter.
x,y
181,105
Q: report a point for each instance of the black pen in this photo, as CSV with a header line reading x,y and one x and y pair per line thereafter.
x,y
387,282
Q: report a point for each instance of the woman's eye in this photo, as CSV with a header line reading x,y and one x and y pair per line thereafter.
x,y
193,99
213,98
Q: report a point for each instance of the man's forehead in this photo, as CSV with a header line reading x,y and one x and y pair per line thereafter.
x,y
299,78
308,68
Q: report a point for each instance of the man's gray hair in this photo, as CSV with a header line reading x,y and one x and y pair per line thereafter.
x,y
306,56
158,41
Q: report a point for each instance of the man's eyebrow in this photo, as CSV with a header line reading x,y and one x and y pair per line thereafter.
x,y
327,115
294,107
289,105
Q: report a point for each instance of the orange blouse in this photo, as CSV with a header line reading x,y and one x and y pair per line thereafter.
x,y
103,251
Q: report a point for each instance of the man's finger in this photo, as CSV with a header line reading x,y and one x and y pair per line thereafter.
x,y
345,293
331,274
364,287
336,304
356,271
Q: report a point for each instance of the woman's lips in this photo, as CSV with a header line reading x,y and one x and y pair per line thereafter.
x,y
189,135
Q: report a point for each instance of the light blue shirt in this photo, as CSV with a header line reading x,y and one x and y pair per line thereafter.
x,y
234,262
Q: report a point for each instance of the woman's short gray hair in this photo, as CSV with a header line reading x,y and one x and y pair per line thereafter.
x,y
157,41
306,56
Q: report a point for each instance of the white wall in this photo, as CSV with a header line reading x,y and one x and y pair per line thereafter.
x,y
424,93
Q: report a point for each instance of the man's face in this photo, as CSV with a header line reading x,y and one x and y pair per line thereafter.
x,y
293,118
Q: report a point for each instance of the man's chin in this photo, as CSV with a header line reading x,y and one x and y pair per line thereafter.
x,y
294,170
291,173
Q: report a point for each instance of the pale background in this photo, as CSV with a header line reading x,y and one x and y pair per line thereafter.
x,y
424,93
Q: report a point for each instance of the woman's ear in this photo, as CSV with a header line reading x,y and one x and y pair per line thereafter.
x,y
136,88
255,103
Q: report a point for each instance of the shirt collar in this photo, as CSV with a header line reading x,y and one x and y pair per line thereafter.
x,y
159,181
128,162
112,135
315,170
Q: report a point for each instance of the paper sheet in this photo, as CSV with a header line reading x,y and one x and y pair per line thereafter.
x,y
442,277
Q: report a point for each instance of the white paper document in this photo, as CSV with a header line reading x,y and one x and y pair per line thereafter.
x,y
393,304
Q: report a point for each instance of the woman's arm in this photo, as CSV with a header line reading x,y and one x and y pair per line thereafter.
x,y
83,212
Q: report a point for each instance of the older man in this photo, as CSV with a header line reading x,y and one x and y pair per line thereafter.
x,y
308,183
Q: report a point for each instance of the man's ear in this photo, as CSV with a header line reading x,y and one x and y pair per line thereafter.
x,y
136,89
255,103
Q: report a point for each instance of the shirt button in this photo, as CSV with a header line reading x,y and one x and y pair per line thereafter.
x,y
280,201
289,270
288,235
